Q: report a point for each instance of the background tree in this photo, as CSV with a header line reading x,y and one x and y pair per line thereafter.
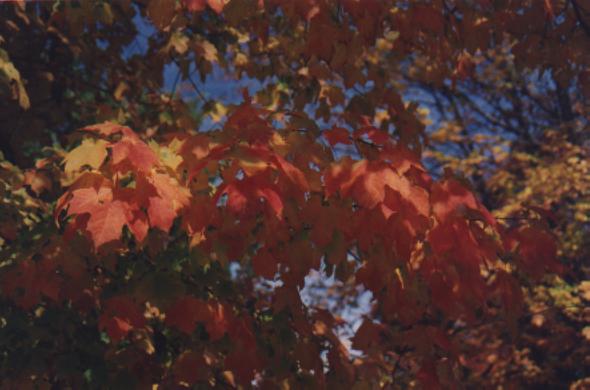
x,y
159,228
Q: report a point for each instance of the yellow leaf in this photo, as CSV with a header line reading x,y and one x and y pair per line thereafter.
x,y
120,90
179,42
241,59
381,116
205,49
90,152
10,78
105,13
251,165
166,154
218,113
229,378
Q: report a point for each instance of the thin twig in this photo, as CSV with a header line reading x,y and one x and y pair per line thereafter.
x,y
190,80
583,23
173,92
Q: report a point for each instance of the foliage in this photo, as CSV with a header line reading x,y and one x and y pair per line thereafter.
x,y
432,155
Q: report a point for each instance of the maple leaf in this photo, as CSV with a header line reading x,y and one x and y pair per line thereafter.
x,y
199,5
38,181
368,183
190,367
132,154
244,364
340,176
8,231
428,17
337,135
161,12
265,188
163,197
168,188
428,375
85,180
160,213
119,316
217,320
450,198
201,213
107,211
465,67
216,5
248,123
405,226
137,223
106,222
368,334
536,248
185,313
188,311
292,172
243,196
264,264
84,200
321,27
106,129
29,281
91,152
548,8
376,136
510,293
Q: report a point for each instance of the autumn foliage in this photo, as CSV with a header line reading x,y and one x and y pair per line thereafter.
x,y
159,233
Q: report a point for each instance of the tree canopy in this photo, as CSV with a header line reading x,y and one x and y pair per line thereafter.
x,y
295,194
